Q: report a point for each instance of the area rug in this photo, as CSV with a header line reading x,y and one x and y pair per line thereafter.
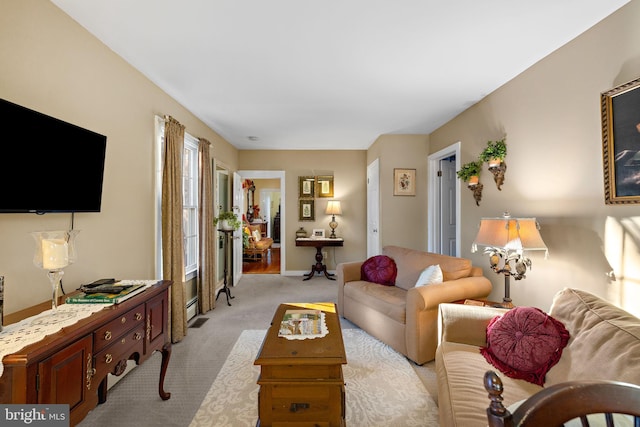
x,y
382,389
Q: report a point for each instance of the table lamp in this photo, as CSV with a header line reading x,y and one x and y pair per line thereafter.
x,y
505,240
333,208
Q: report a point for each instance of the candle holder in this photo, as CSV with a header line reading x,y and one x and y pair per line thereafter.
x,y
54,251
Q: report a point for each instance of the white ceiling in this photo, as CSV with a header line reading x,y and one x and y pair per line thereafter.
x,y
331,74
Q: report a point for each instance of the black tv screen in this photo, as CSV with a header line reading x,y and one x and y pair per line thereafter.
x,y
48,165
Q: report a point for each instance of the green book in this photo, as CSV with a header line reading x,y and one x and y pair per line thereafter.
x,y
104,298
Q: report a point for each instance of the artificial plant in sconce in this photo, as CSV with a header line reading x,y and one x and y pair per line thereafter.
x,y
470,173
494,154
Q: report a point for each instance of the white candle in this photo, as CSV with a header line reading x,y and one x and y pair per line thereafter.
x,y
55,253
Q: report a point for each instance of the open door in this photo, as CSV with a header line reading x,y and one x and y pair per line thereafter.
x,y
373,209
444,201
238,201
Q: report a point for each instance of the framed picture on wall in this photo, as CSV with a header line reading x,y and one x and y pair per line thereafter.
x,y
404,182
306,187
324,186
621,143
306,210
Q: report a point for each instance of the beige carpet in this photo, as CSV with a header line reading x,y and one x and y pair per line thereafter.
x,y
382,389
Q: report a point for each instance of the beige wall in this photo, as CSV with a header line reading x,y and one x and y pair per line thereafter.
x,y
403,219
550,115
348,168
51,64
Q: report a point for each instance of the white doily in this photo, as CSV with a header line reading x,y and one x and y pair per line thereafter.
x,y
33,329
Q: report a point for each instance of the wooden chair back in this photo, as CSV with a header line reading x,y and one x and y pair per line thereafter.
x,y
559,403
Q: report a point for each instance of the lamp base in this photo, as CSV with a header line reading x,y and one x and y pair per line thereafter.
x,y
333,225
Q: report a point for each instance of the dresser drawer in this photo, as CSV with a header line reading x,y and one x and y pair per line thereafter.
x,y
112,331
120,350
301,372
302,404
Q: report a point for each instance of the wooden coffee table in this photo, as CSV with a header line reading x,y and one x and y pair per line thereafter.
x,y
301,382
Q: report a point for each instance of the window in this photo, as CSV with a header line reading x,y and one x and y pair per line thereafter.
x,y
189,200
190,204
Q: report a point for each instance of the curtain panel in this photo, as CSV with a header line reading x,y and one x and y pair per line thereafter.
x,y
172,235
207,232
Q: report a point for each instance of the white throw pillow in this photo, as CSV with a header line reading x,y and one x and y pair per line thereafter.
x,y
256,235
430,275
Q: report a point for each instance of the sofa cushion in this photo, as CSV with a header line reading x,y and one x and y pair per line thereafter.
x,y
462,398
388,300
411,263
525,343
604,339
379,269
430,275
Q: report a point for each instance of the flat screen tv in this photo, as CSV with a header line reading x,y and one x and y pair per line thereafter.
x,y
48,165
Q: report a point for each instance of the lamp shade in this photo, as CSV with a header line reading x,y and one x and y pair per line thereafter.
x,y
512,234
333,208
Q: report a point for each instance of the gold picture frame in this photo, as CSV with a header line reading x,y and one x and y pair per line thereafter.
x,y
404,182
306,187
621,143
306,210
324,186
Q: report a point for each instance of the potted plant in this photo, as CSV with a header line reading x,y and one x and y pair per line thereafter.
x,y
227,220
494,153
470,172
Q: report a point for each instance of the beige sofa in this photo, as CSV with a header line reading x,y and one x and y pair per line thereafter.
x,y
404,316
604,343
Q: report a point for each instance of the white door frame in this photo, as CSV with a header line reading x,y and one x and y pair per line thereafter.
x,y
435,198
256,174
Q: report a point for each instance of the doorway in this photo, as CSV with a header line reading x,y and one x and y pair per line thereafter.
x,y
269,195
444,201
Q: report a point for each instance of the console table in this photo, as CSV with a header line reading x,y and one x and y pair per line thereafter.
x,y
319,243
71,365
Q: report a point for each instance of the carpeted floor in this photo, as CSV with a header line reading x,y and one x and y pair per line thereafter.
x,y
381,387
198,358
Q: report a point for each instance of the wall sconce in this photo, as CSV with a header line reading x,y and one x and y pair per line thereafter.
x,y
476,188
333,208
505,240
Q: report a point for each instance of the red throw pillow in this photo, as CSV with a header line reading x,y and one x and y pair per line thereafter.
x,y
379,269
525,343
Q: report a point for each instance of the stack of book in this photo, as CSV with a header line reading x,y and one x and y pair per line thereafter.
x,y
106,294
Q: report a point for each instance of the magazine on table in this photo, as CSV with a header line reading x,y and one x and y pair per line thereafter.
x,y
303,324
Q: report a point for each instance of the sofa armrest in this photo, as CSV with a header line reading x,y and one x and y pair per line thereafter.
x,y
346,272
429,297
465,324
421,330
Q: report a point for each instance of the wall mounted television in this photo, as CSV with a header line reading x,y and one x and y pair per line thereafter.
x,y
48,165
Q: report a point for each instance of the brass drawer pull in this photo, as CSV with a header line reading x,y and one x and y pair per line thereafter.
x,y
138,316
108,358
123,320
137,336
123,340
107,335
295,406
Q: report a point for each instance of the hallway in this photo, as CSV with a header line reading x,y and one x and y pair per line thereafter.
x,y
270,265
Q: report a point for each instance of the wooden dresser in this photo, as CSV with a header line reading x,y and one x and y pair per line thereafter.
x,y
71,366
301,381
